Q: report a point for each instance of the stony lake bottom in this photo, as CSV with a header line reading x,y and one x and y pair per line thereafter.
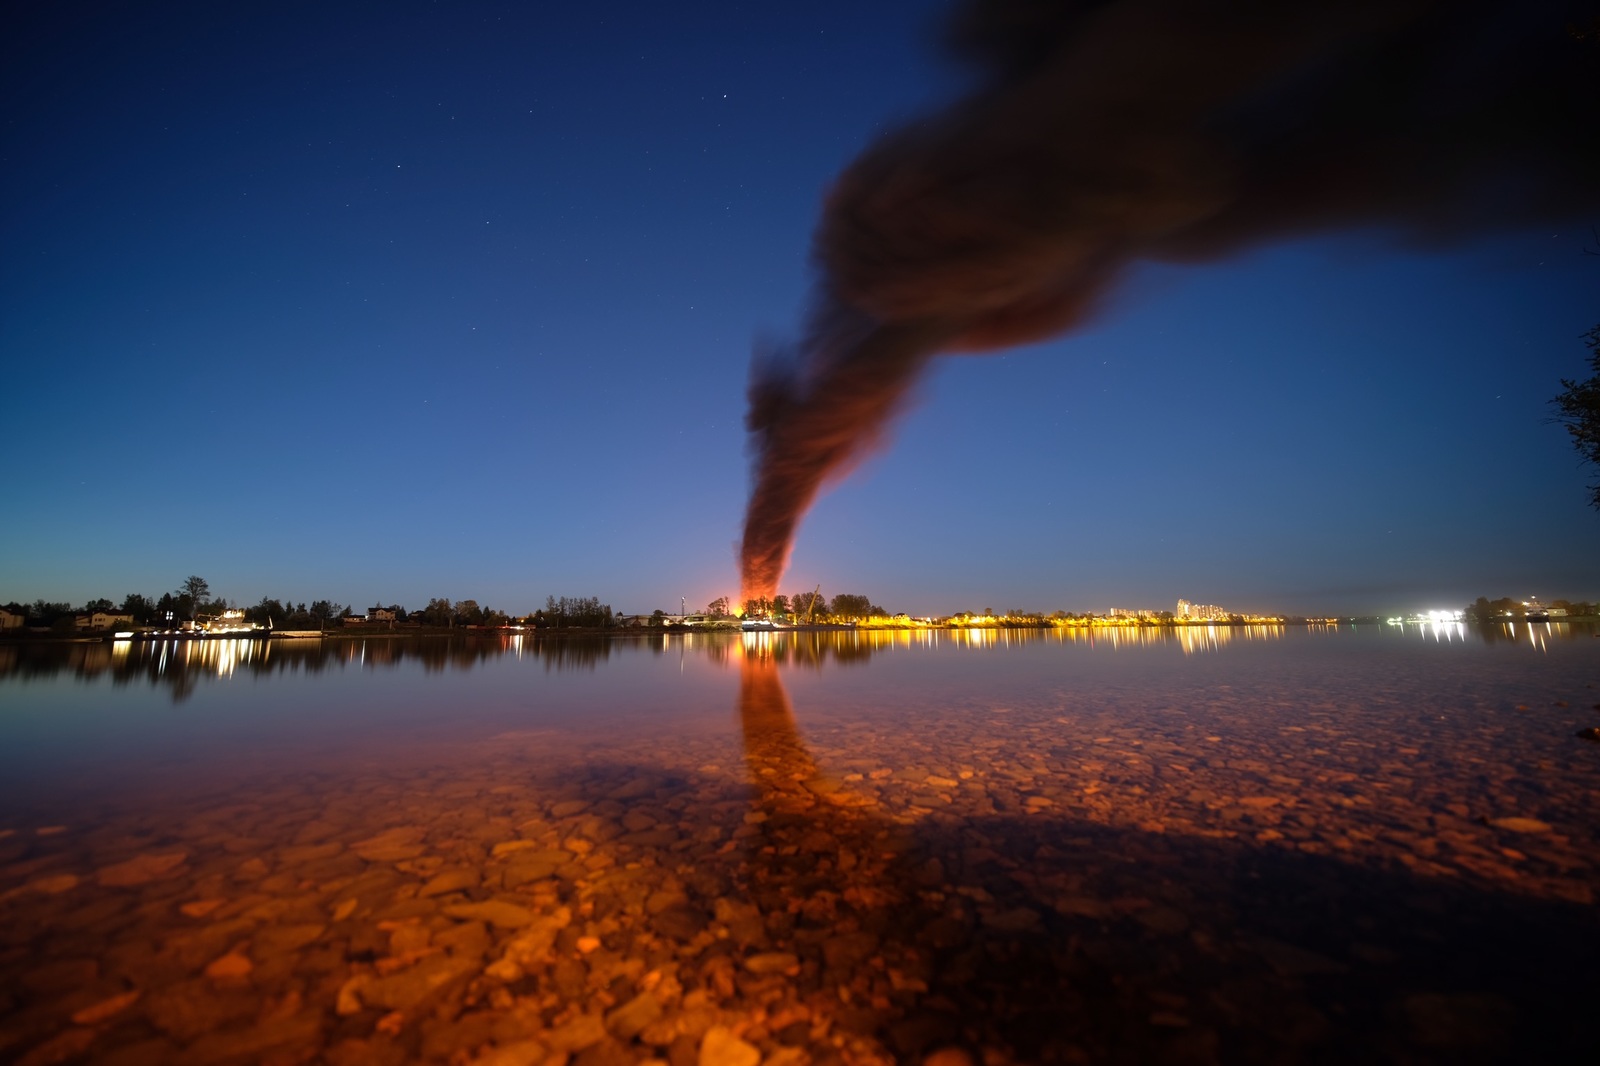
x,y
1218,846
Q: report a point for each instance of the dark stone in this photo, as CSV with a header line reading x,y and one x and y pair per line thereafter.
x,y
143,1053
441,1039
795,1034
916,1034
683,1051
650,838
856,1019
608,1052
187,1010
570,977
681,922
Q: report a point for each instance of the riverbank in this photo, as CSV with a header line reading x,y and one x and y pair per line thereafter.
x,y
408,632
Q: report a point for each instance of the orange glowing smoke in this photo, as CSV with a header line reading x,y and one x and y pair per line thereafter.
x,y
1106,134
807,431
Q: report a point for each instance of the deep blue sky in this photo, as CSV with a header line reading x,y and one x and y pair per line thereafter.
x,y
380,303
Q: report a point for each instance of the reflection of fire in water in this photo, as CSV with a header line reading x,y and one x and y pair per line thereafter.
x,y
777,758
855,921
896,946
781,768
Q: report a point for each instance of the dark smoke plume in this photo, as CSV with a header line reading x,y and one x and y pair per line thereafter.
x,y
1104,134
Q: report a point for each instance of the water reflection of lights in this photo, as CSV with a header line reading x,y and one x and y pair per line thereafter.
x,y
1191,638
1443,630
975,638
1537,632
756,644
179,662
225,656
1194,639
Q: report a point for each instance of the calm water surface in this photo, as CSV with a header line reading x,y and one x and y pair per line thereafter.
x,y
1220,845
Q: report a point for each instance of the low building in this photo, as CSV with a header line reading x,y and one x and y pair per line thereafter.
x,y
380,614
103,620
704,619
11,619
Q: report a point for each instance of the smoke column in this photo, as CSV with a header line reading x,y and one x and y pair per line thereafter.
x,y
1103,134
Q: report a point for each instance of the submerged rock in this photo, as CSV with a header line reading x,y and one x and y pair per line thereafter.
x,y
1521,825
141,869
496,912
720,1047
408,988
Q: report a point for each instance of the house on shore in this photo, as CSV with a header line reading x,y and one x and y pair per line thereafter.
x,y
102,620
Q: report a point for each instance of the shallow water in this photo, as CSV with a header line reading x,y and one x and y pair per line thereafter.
x,y
1230,845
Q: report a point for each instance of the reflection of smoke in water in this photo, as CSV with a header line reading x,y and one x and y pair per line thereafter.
x,y
772,747
1107,134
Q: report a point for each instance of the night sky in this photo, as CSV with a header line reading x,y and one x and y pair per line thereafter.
x,y
378,303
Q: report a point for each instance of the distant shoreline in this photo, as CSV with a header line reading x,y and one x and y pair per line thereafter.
x,y
404,632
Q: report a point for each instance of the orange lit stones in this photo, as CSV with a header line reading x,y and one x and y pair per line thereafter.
x,y
921,872
106,1009
141,868
232,965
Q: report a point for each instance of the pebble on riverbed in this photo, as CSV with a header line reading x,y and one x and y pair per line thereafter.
x,y
1075,888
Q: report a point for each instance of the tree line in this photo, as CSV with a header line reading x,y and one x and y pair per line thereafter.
x,y
813,606
1484,609
192,599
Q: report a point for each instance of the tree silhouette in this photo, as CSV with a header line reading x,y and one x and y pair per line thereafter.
x,y
196,588
1579,407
